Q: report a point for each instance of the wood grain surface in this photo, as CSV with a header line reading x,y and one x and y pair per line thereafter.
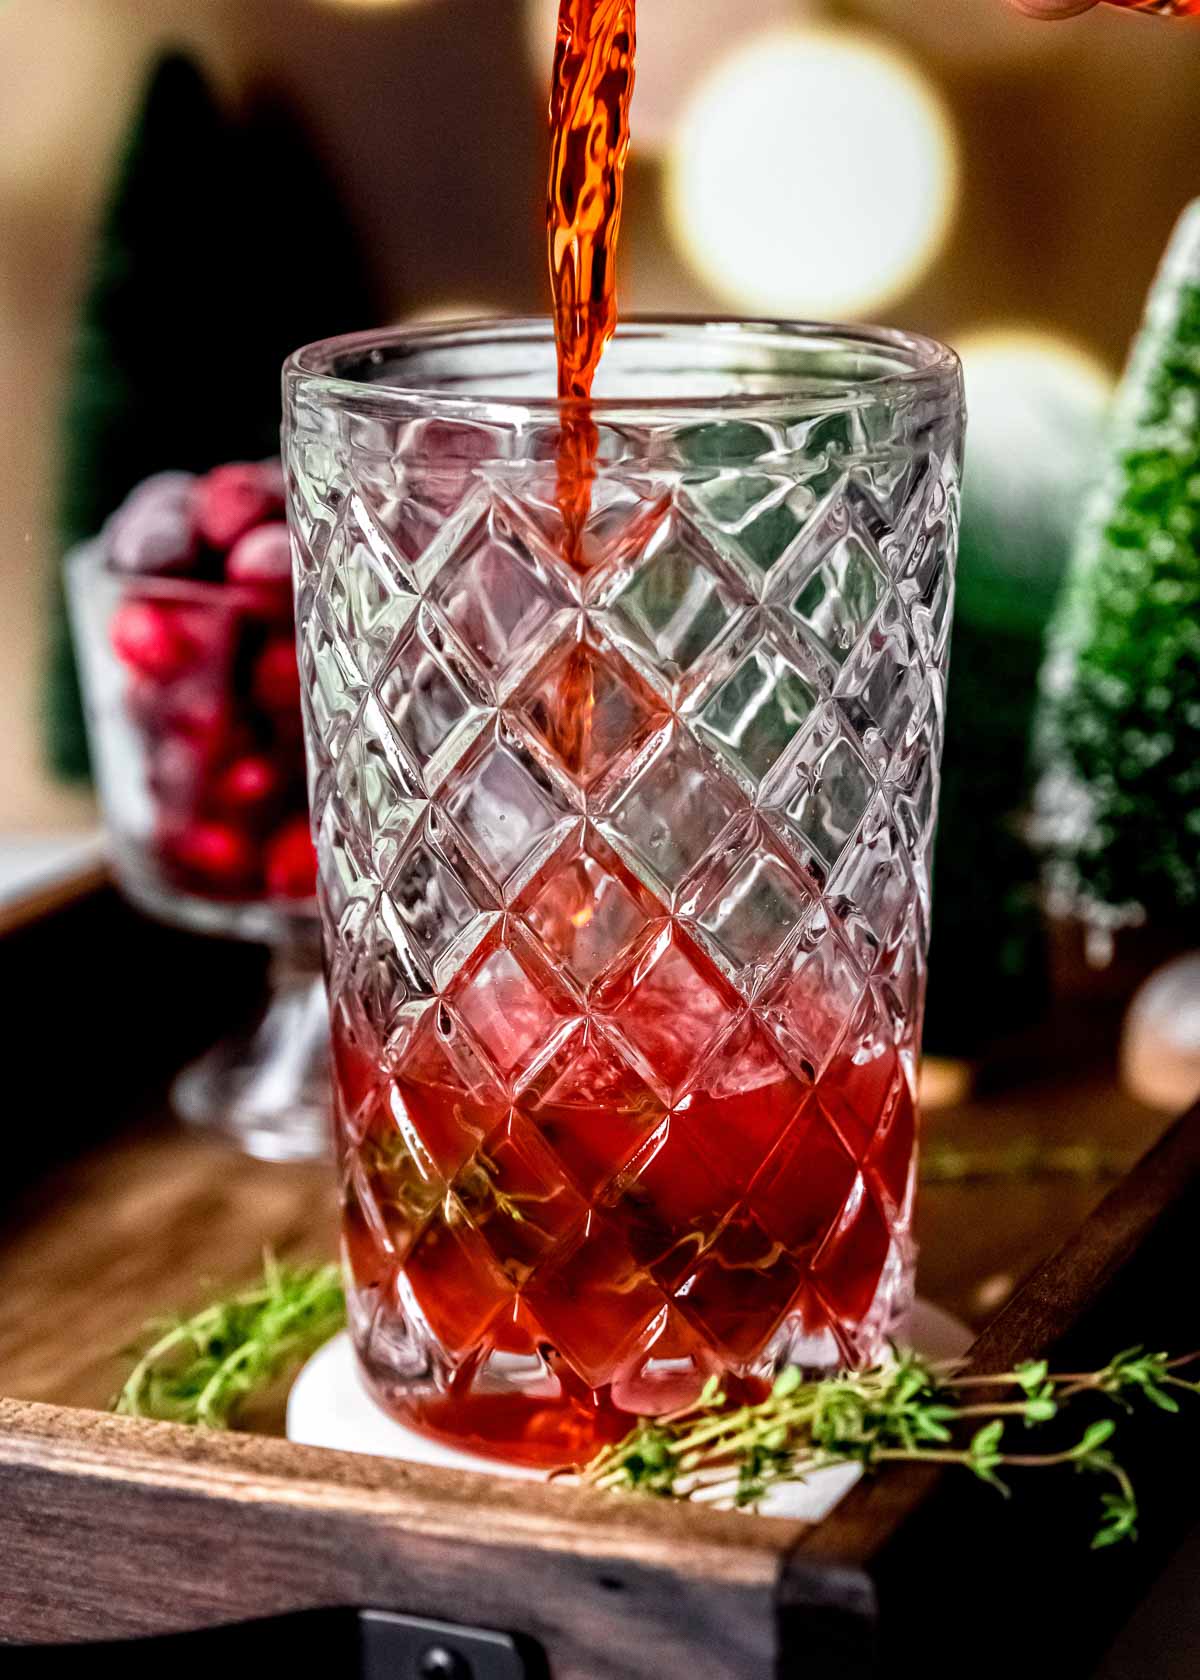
x,y
153,1223
112,1527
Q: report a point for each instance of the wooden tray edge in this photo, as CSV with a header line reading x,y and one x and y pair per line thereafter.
x,y
1046,1306
135,1453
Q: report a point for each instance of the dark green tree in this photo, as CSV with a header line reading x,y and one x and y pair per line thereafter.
x,y
1118,809
222,247
1032,434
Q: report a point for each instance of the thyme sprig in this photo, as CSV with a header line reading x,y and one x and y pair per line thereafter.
x,y
203,1369
910,1411
946,1162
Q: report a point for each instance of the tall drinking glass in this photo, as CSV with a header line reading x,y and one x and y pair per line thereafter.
x,y
624,851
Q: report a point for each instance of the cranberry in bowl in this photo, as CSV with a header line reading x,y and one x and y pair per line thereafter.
x,y
183,621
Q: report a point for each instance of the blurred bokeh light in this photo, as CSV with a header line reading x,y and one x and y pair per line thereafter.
x,y
969,33
1029,382
814,172
1036,402
447,310
677,44
367,5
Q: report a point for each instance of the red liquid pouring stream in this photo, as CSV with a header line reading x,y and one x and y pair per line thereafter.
x,y
589,144
583,1310
591,92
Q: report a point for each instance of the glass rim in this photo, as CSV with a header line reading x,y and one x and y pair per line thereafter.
x,y
919,362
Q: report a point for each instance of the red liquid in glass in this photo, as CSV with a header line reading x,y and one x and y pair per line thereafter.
x,y
730,1219
571,1214
588,1223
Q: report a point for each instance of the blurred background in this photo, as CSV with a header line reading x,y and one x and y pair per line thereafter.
x,y
950,167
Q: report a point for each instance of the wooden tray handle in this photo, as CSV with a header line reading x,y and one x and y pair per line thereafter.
x,y
353,1644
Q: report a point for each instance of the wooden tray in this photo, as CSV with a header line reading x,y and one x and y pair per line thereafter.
x,y
111,1528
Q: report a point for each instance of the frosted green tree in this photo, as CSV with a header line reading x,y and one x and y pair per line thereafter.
x,y
1118,804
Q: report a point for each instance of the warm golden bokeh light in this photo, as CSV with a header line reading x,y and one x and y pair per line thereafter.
x,y
446,311
678,42
814,172
1030,389
368,5
968,32
1036,406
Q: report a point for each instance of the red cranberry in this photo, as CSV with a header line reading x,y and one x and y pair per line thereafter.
x,y
145,698
146,637
219,852
248,782
291,867
208,630
274,477
175,776
153,532
277,676
198,710
164,488
263,555
229,501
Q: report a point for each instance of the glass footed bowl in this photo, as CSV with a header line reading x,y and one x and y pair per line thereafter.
x,y
193,710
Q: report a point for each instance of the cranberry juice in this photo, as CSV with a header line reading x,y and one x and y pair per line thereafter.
x,y
625,1233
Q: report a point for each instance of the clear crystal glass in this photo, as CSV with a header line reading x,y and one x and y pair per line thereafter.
x,y
624,849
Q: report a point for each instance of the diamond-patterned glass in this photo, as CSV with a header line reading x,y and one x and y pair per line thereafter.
x,y
426,693
668,817
624,858
757,712
621,520
589,708
498,596
502,803
510,1011
753,911
837,600
438,900
588,911
831,799
677,604
669,1005
746,515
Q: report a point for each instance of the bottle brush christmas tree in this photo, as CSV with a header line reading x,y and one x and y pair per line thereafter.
x,y
222,247
1118,806
1035,428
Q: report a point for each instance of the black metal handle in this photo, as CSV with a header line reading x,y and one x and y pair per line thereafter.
x,y
325,1644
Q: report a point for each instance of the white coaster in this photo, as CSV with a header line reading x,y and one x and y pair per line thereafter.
x,y
329,1406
